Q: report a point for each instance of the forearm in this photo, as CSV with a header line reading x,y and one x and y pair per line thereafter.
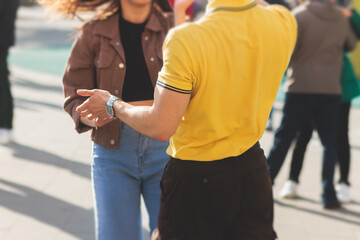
x,y
140,118
158,121
180,8
180,16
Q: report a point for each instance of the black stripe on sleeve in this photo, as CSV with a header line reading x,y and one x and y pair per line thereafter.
x,y
164,85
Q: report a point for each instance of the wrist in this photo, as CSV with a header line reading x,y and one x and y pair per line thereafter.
x,y
110,106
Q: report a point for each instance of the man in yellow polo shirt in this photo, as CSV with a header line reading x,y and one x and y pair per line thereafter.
x,y
213,98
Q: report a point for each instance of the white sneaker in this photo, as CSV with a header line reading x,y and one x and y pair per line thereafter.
x,y
5,135
342,192
289,190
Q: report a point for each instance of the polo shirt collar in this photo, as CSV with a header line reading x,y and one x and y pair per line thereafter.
x,y
228,4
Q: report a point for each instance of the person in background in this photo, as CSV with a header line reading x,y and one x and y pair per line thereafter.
x,y
270,122
313,90
8,9
119,50
350,90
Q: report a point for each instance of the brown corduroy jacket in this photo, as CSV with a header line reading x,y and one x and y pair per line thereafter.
x,y
97,60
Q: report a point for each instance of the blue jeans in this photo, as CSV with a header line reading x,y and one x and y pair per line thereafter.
x,y
323,110
120,176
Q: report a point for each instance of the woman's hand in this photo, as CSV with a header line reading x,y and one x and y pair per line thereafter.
x,y
95,123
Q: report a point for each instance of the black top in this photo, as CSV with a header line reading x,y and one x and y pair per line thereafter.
x,y
137,82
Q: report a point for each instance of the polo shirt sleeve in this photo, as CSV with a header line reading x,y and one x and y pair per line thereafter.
x,y
177,72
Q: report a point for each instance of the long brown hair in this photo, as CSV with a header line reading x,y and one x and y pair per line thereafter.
x,y
101,8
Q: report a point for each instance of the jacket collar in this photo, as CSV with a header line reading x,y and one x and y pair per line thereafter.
x,y
109,27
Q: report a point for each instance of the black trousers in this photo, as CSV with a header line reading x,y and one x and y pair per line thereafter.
x,y
228,199
342,144
6,100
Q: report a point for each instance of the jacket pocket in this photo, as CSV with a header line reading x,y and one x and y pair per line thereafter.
x,y
105,59
104,69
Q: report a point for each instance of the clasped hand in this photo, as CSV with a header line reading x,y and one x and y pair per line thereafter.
x,y
94,107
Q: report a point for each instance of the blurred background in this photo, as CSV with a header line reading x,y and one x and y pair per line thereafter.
x,y
45,187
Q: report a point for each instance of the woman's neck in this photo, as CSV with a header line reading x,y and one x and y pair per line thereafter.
x,y
135,13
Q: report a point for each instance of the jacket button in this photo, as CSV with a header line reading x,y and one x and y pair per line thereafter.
x,y
165,15
117,43
121,65
152,59
116,92
112,141
146,38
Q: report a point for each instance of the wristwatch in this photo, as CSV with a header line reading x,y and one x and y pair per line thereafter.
x,y
109,106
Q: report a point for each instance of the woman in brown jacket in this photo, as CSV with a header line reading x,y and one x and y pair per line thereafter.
x,y
119,50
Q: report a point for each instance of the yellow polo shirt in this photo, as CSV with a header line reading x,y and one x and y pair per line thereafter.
x,y
232,63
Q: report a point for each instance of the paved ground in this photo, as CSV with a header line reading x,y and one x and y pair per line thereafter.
x,y
45,188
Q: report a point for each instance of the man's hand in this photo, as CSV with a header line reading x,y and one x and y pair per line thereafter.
x,y
93,109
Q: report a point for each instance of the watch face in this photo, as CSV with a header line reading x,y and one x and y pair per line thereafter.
x,y
109,106
109,111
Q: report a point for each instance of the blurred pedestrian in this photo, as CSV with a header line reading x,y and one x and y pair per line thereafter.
x,y
269,124
119,50
313,90
213,97
350,90
8,9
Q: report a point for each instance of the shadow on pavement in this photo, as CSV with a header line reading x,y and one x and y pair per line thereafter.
x,y
47,209
36,86
27,104
40,156
355,147
304,199
325,213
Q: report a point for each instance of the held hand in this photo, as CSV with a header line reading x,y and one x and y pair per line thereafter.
x,y
101,122
94,106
